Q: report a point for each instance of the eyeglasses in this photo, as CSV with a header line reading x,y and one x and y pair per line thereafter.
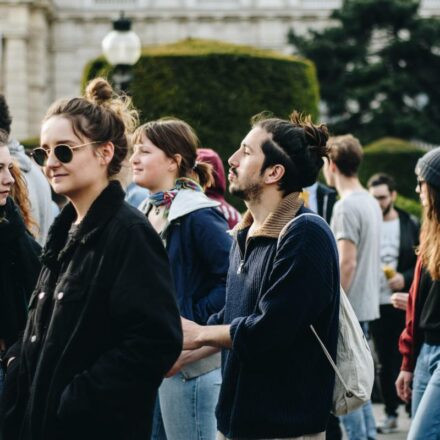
x,y
63,152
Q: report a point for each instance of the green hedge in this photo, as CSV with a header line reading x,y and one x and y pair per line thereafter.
x,y
217,87
395,157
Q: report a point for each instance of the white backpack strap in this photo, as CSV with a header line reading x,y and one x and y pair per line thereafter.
x,y
332,363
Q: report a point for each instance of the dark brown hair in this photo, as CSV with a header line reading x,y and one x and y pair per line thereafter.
x,y
346,152
297,144
101,116
174,136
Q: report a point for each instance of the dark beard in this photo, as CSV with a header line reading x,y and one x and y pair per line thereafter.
x,y
251,193
387,209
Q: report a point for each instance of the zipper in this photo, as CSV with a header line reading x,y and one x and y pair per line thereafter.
x,y
243,256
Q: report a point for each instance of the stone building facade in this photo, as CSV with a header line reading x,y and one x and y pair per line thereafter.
x,y
45,44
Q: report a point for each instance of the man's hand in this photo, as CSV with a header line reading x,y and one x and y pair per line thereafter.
x,y
191,334
397,282
403,385
179,364
400,300
196,336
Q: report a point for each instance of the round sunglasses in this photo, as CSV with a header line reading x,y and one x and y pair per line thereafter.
x,y
63,152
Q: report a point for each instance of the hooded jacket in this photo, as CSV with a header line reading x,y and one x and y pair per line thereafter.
x,y
39,190
103,329
198,248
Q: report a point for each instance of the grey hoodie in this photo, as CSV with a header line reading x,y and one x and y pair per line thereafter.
x,y
39,190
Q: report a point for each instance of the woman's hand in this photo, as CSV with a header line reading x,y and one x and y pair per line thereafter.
x,y
404,385
400,300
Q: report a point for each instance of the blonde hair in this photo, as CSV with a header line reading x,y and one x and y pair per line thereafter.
x,y
429,248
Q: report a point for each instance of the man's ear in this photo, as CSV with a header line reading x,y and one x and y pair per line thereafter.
x,y
274,174
106,152
393,196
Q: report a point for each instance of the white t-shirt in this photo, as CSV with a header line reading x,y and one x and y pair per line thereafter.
x,y
389,255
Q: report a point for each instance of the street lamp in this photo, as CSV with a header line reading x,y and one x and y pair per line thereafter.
x,y
122,49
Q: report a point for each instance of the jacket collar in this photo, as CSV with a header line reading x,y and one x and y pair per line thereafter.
x,y
11,222
276,220
101,211
185,202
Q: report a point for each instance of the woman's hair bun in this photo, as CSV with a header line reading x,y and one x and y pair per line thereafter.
x,y
99,91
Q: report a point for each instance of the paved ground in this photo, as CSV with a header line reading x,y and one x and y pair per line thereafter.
x,y
403,425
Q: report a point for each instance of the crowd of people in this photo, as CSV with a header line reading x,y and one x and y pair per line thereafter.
x,y
144,306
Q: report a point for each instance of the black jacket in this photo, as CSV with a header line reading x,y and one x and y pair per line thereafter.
x,y
102,331
19,269
409,240
326,198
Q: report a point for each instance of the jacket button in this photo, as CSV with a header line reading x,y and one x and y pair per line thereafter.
x,y
33,338
41,295
60,295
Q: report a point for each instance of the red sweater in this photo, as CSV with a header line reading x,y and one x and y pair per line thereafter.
x,y
411,338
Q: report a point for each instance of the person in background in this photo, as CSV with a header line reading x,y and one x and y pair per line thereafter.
x,y
19,252
195,236
320,199
419,378
399,238
38,187
103,325
216,191
356,223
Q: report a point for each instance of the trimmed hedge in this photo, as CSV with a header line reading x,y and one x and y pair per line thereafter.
x,y
216,87
395,157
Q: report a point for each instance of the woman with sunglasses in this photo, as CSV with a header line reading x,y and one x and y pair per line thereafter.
x,y
19,264
419,379
103,327
194,233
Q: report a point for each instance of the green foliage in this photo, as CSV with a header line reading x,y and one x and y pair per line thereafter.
x,y
409,205
395,157
30,143
216,87
378,66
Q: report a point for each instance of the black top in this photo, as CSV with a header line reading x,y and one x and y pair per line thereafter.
x,y
430,316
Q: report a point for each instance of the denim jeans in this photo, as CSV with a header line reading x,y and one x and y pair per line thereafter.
x,y
426,395
187,407
360,424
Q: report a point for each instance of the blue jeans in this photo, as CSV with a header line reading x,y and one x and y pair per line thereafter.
x,y
426,395
187,407
360,424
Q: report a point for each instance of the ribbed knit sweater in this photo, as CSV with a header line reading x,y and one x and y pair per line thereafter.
x,y
276,380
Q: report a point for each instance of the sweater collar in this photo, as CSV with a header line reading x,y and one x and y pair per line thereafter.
x,y
100,212
276,220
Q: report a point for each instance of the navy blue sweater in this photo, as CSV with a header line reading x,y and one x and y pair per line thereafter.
x,y
276,380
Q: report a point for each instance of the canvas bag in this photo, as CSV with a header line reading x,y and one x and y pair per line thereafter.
x,y
354,365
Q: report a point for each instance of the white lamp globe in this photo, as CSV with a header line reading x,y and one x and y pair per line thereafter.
x,y
121,45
